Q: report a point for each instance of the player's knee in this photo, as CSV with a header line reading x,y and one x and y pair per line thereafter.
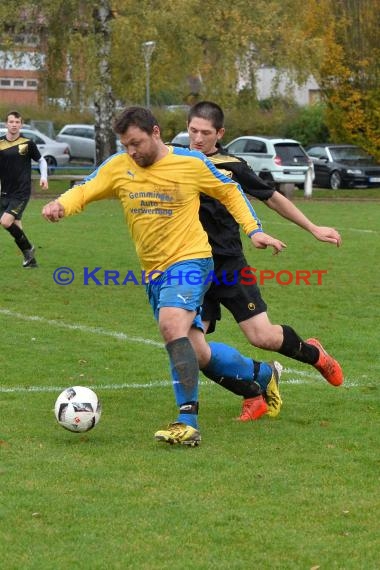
x,y
6,221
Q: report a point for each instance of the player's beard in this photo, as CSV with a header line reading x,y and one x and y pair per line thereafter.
x,y
143,161
146,159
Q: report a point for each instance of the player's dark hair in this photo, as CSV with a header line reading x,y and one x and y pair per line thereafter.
x,y
209,111
15,114
137,117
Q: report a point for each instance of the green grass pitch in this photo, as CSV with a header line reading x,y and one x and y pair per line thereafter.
x,y
294,493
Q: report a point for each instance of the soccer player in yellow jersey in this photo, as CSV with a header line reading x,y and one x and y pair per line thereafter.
x,y
159,188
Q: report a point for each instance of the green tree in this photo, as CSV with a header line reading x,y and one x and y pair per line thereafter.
x,y
93,54
350,76
76,45
80,44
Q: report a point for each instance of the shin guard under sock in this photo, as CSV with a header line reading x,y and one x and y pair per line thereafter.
x,y
185,373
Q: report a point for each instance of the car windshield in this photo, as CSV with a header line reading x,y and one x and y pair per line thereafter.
x,y
350,153
290,153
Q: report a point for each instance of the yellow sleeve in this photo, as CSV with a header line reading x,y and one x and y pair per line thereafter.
x,y
96,186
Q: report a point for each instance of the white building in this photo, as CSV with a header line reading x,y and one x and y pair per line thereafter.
x,y
270,81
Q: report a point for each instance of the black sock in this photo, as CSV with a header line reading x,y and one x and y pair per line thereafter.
x,y
241,387
20,238
294,347
238,387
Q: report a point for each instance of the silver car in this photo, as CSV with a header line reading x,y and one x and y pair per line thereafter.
x,y
81,139
181,139
282,160
55,153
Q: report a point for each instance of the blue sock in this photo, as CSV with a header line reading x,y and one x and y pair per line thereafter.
x,y
188,419
226,361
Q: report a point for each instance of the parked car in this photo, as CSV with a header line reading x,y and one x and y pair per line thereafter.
x,y
81,139
176,108
283,160
55,153
181,139
344,166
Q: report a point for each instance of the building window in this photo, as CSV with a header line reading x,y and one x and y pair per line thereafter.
x,y
30,40
18,83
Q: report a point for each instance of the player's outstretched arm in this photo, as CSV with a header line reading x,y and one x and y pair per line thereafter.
x,y
261,241
289,211
53,211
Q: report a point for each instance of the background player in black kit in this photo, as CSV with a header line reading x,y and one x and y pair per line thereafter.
x,y
16,155
206,128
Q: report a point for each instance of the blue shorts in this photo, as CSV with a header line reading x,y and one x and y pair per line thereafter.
x,y
182,285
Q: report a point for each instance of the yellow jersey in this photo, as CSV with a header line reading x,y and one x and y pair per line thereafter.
x,y
161,203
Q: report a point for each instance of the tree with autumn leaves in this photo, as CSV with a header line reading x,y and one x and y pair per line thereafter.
x,y
350,74
93,51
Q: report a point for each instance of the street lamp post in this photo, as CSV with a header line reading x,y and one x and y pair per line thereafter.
x,y
148,49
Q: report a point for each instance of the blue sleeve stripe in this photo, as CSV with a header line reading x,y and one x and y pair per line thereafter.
x,y
95,172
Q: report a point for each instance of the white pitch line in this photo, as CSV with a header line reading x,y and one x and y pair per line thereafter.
x,y
122,336
78,327
361,230
137,386
45,389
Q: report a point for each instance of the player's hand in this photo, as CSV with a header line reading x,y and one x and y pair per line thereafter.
x,y
327,234
53,211
44,184
261,241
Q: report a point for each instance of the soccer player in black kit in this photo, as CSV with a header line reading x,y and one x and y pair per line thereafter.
x,y
16,155
206,128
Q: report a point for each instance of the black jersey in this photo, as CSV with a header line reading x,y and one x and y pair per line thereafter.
x,y
223,231
15,166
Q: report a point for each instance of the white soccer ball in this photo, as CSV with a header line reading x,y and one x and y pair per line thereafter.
x,y
78,409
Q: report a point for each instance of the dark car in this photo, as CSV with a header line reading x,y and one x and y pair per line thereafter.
x,y
343,166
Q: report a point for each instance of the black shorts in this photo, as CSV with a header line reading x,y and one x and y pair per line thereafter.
x,y
13,206
231,290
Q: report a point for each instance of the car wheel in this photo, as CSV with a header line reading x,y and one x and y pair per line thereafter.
x,y
335,180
